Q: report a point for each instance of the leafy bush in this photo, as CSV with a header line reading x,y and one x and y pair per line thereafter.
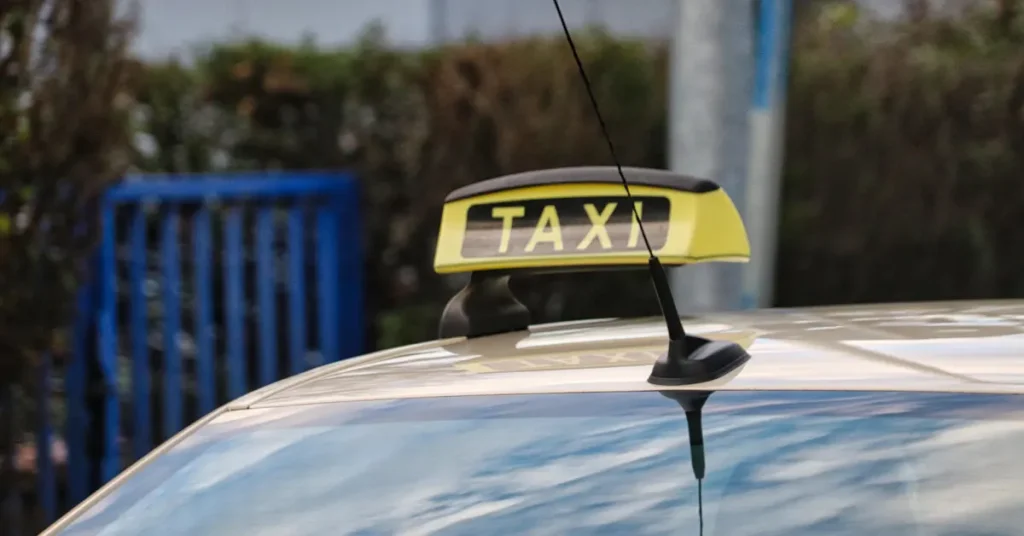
x,y
413,126
905,143
64,135
902,143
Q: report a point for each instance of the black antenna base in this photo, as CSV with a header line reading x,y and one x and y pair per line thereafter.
x,y
485,306
695,359
692,403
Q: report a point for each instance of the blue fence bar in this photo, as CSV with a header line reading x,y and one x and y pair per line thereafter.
x,y
198,277
170,284
234,282
327,283
229,186
141,419
266,288
296,291
110,463
203,310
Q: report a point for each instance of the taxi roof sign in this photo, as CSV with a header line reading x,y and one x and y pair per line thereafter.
x,y
582,217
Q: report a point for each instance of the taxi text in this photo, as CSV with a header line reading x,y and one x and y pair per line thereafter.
x,y
564,226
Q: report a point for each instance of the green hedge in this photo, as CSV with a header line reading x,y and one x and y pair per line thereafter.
x,y
904,149
64,134
904,142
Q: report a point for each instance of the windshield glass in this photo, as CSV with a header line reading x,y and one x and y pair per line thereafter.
x,y
619,463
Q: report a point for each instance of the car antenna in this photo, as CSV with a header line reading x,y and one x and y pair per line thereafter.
x,y
692,403
658,277
689,359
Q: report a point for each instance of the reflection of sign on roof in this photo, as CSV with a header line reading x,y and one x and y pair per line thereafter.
x,y
639,356
595,359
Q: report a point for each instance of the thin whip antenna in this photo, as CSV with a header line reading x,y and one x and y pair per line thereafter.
x,y
604,128
658,278
700,505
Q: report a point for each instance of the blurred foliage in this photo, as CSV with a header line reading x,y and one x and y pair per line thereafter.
x,y
903,138
904,145
64,134
413,126
904,141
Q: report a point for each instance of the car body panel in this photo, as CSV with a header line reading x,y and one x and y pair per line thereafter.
x,y
965,347
952,346
781,463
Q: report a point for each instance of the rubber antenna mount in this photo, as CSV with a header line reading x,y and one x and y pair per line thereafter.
x,y
692,403
689,359
693,359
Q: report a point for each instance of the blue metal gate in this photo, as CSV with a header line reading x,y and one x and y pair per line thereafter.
x,y
205,289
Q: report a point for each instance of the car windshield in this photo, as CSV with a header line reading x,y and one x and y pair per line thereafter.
x,y
615,463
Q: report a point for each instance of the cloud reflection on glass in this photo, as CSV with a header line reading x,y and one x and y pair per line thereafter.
x,y
614,463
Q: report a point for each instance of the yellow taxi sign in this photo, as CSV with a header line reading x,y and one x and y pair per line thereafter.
x,y
581,217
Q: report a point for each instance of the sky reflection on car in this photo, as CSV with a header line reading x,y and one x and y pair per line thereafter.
x,y
614,463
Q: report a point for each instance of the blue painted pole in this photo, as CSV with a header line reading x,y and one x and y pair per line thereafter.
x,y
767,118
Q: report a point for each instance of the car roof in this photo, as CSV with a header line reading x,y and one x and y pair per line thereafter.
x,y
963,347
939,347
